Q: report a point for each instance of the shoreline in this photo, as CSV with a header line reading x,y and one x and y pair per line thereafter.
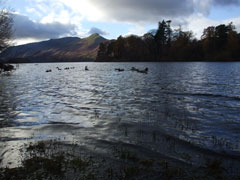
x,y
59,160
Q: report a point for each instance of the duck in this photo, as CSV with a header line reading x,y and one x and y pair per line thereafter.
x,y
119,70
143,71
48,70
86,68
134,69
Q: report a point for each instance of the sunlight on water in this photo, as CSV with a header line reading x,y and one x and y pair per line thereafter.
x,y
194,104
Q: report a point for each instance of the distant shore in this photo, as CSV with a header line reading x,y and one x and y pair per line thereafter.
x,y
166,61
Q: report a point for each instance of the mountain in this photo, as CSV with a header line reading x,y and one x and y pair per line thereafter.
x,y
68,49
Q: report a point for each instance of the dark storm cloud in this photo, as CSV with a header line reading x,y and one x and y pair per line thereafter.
x,y
26,28
142,10
226,2
155,10
94,30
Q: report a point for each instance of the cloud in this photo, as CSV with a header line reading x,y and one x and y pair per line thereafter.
x,y
137,30
25,28
227,2
142,10
197,23
139,11
58,18
94,30
84,8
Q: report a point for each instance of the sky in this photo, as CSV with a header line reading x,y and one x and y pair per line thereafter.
x,y
37,20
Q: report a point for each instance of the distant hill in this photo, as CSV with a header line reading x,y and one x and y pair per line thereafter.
x,y
69,49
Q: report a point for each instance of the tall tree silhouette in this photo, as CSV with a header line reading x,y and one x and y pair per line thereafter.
x,y
6,23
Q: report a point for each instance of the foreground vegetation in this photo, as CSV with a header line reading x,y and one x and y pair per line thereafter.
x,y
55,160
6,67
220,43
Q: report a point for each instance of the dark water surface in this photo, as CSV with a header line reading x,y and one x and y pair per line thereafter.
x,y
184,111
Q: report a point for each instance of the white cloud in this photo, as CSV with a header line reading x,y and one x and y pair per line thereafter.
x,y
25,41
55,11
139,30
33,11
24,28
94,30
63,16
84,8
197,23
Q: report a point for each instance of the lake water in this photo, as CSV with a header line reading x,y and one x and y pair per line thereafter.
x,y
175,109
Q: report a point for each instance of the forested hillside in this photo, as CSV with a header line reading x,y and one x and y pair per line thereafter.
x,y
220,43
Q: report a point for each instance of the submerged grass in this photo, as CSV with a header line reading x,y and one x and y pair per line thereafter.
x,y
54,160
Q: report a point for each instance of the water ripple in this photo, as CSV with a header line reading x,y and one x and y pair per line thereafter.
x,y
196,103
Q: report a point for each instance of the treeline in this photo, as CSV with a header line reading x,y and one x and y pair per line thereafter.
x,y
220,43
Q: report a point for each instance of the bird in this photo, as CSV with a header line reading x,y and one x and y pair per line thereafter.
x,y
134,69
119,70
143,71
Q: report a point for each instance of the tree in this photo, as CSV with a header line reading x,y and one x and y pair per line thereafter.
x,y
209,42
105,51
221,32
182,46
208,33
119,48
163,38
219,43
102,51
6,23
233,45
150,44
161,35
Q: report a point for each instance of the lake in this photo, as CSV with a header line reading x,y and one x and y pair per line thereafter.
x,y
175,109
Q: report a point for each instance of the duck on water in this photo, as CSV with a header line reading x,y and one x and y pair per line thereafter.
x,y
119,70
140,71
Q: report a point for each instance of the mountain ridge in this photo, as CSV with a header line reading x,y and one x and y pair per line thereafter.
x,y
67,49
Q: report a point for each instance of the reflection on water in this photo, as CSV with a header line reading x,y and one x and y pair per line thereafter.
x,y
176,108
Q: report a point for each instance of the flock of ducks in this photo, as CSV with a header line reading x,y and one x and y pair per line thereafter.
x,y
117,69
140,71
59,69
134,69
